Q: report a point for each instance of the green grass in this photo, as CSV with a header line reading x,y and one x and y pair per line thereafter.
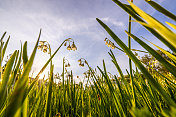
x,y
146,94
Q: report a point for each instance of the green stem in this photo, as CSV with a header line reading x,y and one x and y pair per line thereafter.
x,y
130,63
63,71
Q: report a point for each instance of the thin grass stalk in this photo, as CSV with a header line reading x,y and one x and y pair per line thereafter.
x,y
136,17
49,94
130,62
138,64
111,89
161,9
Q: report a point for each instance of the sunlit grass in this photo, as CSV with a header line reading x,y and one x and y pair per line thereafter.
x,y
143,91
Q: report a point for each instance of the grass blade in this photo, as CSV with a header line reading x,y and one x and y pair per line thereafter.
x,y
138,64
169,66
161,9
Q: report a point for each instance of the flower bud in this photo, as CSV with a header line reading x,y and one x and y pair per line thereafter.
x,y
73,47
113,46
65,44
44,50
41,43
106,43
79,60
109,45
69,47
45,47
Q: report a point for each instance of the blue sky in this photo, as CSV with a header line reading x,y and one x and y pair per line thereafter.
x,y
61,19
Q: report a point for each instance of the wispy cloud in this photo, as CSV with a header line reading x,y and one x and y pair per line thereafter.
x,y
114,22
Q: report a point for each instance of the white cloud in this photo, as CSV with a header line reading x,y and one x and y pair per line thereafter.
x,y
114,22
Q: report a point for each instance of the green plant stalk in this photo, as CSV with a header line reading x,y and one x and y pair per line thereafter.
x,y
43,68
165,63
1,47
82,101
2,50
139,65
119,70
63,71
112,90
130,62
155,33
20,87
24,107
5,79
161,9
49,93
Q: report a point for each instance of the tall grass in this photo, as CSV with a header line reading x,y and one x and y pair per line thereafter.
x,y
146,94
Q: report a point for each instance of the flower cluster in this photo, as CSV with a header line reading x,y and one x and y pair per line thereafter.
x,y
81,62
67,64
109,43
87,74
44,46
57,76
72,47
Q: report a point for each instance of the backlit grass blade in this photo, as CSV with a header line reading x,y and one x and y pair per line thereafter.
x,y
24,108
171,25
170,91
43,68
4,48
171,56
138,64
143,96
20,88
3,36
5,78
155,33
37,103
111,89
169,66
1,47
123,100
159,27
161,74
130,8
25,57
161,9
15,71
15,63
49,94
36,100
119,70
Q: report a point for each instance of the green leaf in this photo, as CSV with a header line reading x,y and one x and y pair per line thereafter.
x,y
112,90
21,86
119,70
4,48
138,64
171,56
168,66
49,93
159,27
25,57
5,78
3,36
43,68
161,9
171,25
138,19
